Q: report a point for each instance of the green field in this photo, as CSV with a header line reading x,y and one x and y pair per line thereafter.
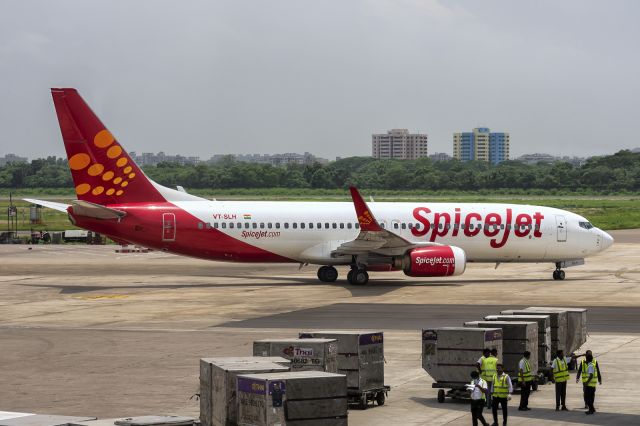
x,y
606,212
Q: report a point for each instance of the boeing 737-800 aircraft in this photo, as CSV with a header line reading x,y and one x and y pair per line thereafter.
x,y
424,239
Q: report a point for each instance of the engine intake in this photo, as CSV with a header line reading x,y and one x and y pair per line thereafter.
x,y
435,261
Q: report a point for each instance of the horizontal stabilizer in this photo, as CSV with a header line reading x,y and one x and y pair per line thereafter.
x,y
61,207
96,211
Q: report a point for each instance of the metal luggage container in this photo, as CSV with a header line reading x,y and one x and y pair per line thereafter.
x,y
558,322
544,333
361,359
449,354
292,399
305,354
576,326
218,405
517,337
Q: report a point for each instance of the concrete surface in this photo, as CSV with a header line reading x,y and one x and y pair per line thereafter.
x,y
88,332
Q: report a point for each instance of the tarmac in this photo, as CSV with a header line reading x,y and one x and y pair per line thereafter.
x,y
88,332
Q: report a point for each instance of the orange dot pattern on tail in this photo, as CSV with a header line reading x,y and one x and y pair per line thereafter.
x,y
103,139
79,161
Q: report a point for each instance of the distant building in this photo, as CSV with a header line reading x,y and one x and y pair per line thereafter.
x,y
151,159
548,158
273,159
537,158
399,144
12,158
440,156
481,145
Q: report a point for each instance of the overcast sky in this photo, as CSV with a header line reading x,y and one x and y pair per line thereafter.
x,y
216,77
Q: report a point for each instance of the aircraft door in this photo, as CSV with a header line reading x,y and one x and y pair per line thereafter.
x,y
561,226
168,227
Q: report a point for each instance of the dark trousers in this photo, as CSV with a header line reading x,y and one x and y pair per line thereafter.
x,y
590,397
525,391
488,395
494,406
561,394
477,405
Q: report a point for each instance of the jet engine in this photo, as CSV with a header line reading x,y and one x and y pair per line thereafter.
x,y
433,261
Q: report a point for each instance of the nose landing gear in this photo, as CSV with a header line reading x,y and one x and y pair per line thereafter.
x,y
558,274
327,274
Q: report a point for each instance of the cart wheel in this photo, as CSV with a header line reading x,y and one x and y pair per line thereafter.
x,y
441,396
363,402
534,386
380,398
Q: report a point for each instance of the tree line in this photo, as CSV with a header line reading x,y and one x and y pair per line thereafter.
x,y
619,172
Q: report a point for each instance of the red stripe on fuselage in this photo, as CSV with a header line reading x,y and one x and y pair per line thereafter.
x,y
143,226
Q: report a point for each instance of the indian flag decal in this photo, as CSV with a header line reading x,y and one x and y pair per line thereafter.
x,y
247,216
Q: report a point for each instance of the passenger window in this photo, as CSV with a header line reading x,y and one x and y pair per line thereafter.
x,y
301,225
395,225
269,225
254,225
479,226
310,225
326,225
433,226
342,226
200,225
286,225
261,225
246,225
277,225
231,225
319,225
410,225
215,225
403,226
358,225
224,225
462,226
334,225
295,225
349,225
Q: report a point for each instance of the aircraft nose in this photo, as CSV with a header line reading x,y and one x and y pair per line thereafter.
x,y
607,240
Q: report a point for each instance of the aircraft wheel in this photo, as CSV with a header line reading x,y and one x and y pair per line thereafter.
x,y
555,275
359,277
350,276
561,275
327,274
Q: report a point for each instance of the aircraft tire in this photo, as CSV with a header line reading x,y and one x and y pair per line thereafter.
x,y
360,277
555,275
327,274
561,275
350,276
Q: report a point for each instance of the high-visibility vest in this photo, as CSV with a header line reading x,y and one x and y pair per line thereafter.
x,y
585,376
561,372
488,368
500,386
526,371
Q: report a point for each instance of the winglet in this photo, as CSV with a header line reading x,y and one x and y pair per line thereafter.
x,y
365,217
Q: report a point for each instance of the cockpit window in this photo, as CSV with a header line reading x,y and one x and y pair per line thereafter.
x,y
585,225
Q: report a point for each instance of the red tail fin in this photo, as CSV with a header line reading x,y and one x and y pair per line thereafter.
x,y
102,171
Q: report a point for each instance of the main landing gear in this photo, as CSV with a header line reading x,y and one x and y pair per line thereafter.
x,y
558,274
358,277
327,274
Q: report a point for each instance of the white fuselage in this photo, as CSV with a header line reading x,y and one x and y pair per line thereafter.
x,y
311,231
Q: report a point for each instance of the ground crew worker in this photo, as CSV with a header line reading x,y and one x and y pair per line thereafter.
x,y
478,389
525,378
501,390
560,368
590,375
487,368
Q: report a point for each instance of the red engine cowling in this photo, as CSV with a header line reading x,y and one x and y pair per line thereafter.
x,y
435,261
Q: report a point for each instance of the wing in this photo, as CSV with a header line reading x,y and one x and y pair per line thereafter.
x,y
372,237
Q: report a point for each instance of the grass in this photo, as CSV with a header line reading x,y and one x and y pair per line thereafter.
x,y
606,212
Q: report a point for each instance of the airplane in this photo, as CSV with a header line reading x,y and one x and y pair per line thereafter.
x,y
115,198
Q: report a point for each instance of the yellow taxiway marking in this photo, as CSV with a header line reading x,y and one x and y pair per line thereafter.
x,y
102,296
